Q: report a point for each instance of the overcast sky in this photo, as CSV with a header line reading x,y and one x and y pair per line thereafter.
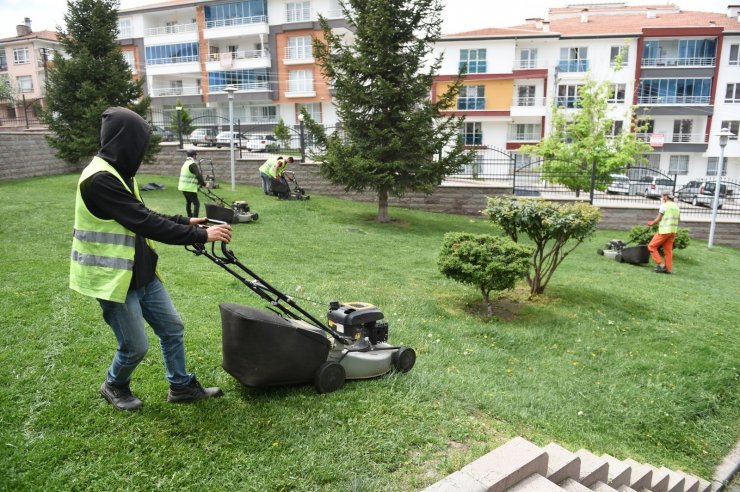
x,y
459,15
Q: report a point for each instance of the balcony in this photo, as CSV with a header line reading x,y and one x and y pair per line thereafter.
x,y
238,60
174,29
675,61
528,106
176,91
298,55
300,89
236,27
532,134
529,64
673,100
675,142
243,87
568,66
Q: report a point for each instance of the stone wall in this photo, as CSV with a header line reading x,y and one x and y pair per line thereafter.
x,y
28,154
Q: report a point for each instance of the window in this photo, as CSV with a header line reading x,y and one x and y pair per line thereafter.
x,y
130,59
20,56
522,160
732,95
525,95
617,93
528,58
472,97
300,81
568,96
313,110
298,11
735,54
678,164
682,130
712,166
615,129
620,53
25,83
299,48
573,60
525,132
261,114
235,13
172,53
248,80
473,61
674,91
471,133
653,161
124,29
733,126
3,60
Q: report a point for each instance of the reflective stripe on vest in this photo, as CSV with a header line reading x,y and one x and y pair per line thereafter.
x,y
102,259
669,223
268,167
188,180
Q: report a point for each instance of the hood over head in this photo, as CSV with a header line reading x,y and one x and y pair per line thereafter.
x,y
124,138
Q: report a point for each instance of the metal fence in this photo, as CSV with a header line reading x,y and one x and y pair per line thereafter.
x,y
20,113
630,186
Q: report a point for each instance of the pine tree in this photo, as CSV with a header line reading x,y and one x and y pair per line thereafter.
x,y
186,122
393,138
90,78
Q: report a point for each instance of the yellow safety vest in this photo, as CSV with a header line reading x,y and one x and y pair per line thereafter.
x,y
669,223
188,180
268,167
102,259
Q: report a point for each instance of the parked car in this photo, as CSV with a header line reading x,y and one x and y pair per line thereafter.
x,y
260,142
203,136
651,186
223,139
165,134
701,192
620,184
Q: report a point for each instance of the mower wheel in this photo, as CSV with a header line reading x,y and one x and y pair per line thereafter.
x,y
404,359
329,377
619,258
600,252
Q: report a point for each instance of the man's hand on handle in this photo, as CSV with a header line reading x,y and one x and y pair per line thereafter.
x,y
220,232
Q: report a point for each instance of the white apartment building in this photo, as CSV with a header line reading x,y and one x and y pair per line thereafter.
x,y
191,50
680,72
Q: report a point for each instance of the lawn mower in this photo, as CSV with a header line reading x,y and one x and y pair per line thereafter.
x,y
236,213
619,251
210,179
283,190
287,345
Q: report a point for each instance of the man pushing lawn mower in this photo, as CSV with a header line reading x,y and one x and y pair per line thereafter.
x,y
667,220
113,260
273,179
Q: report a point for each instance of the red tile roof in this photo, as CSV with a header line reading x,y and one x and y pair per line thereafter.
x,y
46,35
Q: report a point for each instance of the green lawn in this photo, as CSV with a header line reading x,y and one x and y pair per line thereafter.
x,y
613,358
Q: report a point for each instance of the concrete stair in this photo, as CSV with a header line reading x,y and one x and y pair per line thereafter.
x,y
521,466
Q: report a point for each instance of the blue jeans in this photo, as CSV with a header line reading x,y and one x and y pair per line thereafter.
x,y
265,183
153,304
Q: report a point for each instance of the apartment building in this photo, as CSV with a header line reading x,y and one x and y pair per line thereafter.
x,y
190,51
24,60
678,71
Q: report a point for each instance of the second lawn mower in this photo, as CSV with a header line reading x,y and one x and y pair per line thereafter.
x,y
236,213
288,345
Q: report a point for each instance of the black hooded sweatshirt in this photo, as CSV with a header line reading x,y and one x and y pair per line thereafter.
x,y
124,137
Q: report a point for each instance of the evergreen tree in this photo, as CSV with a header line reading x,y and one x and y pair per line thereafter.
x,y
7,91
393,138
92,77
186,122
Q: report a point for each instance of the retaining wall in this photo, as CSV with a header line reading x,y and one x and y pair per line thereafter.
x,y
28,154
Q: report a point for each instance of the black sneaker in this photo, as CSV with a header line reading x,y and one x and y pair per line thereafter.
x,y
192,392
120,397
661,269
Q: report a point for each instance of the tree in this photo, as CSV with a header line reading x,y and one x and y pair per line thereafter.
x,y
393,138
7,91
579,143
556,230
90,78
487,262
282,133
186,122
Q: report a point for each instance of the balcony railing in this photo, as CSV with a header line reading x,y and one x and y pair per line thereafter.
x,y
301,53
300,87
245,87
529,101
673,100
679,61
518,136
334,14
176,91
240,55
573,66
173,59
520,64
175,29
697,138
236,21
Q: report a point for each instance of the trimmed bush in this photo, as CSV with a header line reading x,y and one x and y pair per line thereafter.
x,y
643,235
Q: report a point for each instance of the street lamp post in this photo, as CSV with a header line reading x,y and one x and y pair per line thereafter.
x,y
179,123
303,138
230,90
724,136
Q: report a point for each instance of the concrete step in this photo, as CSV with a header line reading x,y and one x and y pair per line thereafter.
x,y
602,487
675,481
660,480
642,475
593,468
572,485
619,471
561,464
535,483
626,488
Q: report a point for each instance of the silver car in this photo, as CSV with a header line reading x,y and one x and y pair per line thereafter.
x,y
652,186
620,184
701,192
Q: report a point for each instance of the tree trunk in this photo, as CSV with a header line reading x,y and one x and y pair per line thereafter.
x,y
383,206
489,304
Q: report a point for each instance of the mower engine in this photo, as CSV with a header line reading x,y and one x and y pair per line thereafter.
x,y
358,320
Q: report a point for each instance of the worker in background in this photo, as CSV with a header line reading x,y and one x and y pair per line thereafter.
x,y
190,180
278,184
667,220
266,173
